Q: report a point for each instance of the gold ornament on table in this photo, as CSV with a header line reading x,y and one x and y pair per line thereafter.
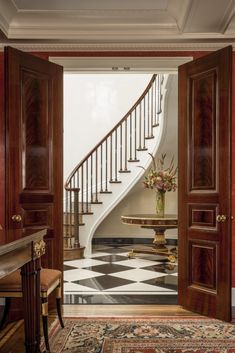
x,y
161,180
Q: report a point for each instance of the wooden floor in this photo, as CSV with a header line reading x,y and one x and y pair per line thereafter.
x,y
12,338
124,310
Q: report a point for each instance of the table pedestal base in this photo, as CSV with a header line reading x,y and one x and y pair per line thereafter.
x,y
170,254
159,241
159,247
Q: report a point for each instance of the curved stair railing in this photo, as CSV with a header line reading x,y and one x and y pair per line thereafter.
x,y
105,163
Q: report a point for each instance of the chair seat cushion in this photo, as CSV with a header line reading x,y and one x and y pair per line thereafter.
x,y
48,277
12,282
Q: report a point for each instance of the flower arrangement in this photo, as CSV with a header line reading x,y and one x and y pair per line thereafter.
x,y
159,178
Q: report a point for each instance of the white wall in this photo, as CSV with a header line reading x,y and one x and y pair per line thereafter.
x,y
93,104
140,200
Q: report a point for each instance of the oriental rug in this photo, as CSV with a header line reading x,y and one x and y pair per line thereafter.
x,y
143,335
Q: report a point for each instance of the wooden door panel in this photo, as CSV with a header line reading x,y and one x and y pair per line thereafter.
x,y
37,133
37,215
204,185
202,216
202,134
202,256
34,140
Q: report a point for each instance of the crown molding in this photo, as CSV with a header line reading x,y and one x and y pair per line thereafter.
x,y
135,47
90,24
151,32
102,32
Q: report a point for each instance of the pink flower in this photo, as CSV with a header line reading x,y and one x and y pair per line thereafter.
x,y
159,178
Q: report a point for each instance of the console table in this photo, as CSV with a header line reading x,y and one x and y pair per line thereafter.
x,y
25,253
159,225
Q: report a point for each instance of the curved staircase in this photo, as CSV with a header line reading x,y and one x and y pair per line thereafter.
x,y
101,180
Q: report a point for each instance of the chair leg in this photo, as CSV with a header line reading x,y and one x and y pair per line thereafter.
x,y
45,322
58,305
5,312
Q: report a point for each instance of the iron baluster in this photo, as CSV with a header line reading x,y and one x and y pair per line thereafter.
x,y
125,144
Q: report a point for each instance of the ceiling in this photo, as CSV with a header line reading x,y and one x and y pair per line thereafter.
x,y
133,24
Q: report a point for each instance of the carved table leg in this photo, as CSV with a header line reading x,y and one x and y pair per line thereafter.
x,y
159,240
31,305
131,254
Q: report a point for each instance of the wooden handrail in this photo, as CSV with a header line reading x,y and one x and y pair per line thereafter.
x,y
110,133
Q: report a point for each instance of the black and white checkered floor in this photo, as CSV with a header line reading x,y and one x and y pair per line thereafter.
x,y
110,277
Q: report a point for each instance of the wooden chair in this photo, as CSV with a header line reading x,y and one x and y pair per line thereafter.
x,y
50,280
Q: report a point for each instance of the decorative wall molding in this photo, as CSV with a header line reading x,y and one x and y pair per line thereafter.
x,y
97,47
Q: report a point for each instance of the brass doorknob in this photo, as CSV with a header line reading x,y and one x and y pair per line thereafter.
x,y
221,218
16,218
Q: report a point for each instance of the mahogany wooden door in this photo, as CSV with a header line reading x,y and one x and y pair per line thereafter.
x,y
34,149
204,185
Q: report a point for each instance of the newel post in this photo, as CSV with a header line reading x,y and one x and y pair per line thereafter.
x,y
76,217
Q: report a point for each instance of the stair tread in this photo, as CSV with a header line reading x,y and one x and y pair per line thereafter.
x,y
124,171
96,202
72,224
149,137
142,149
80,213
115,181
133,160
106,192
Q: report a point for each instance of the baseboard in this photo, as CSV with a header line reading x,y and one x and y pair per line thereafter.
x,y
233,304
233,297
117,241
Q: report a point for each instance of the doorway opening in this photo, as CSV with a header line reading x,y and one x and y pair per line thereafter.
x,y
94,103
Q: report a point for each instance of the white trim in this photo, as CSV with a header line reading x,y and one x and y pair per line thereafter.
x,y
121,65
